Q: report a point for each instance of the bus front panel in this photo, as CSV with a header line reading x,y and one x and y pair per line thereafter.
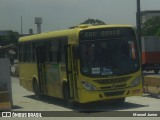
x,y
109,64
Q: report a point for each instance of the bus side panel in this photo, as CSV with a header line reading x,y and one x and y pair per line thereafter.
x,y
27,71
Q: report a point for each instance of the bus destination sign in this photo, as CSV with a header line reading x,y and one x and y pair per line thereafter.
x,y
106,33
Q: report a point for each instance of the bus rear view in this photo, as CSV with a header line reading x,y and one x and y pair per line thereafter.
x,y
109,64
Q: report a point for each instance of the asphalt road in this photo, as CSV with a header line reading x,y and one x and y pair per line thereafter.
x,y
24,100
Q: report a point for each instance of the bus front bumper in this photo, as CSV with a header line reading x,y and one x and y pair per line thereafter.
x,y
86,96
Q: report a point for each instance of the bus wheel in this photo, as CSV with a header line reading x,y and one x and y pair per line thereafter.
x,y
36,89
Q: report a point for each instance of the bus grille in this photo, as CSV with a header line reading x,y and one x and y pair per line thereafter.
x,y
114,93
113,86
114,80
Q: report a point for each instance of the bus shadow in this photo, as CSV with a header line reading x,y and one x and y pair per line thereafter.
x,y
89,107
106,106
48,99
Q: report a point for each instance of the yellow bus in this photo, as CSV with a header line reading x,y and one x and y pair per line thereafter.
x,y
83,64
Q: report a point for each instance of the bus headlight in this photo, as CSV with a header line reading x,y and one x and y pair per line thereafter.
x,y
136,81
88,86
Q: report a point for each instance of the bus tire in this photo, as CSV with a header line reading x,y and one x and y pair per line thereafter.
x,y
36,89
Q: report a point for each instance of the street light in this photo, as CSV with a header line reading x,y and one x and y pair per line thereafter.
x,y
138,17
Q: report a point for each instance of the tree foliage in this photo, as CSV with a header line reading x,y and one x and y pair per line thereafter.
x,y
93,22
151,27
10,38
158,32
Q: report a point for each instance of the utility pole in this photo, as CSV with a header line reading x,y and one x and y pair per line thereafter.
x,y
21,25
138,17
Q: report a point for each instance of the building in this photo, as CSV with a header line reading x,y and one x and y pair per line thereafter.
x,y
148,14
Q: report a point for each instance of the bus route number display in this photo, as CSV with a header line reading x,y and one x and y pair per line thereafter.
x,y
102,33
99,34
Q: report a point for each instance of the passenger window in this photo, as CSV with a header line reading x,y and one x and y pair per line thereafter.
x,y
54,50
63,44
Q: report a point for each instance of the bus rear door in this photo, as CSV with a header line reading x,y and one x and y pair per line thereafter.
x,y
40,55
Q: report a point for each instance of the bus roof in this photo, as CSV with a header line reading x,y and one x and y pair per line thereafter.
x,y
66,33
47,35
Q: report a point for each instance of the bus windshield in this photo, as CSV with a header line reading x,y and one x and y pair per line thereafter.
x,y
110,56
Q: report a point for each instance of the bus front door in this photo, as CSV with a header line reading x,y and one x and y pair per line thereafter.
x,y
40,54
71,72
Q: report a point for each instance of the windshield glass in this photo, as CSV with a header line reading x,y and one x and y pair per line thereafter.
x,y
110,56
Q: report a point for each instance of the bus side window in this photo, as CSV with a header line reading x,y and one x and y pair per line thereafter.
x,y
54,50
33,52
22,54
59,51
25,53
28,52
47,50
63,44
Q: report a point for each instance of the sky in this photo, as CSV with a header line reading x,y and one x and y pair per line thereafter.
x,y
61,14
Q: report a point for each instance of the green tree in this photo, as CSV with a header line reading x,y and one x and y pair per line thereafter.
x,y
10,38
158,32
151,27
93,22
